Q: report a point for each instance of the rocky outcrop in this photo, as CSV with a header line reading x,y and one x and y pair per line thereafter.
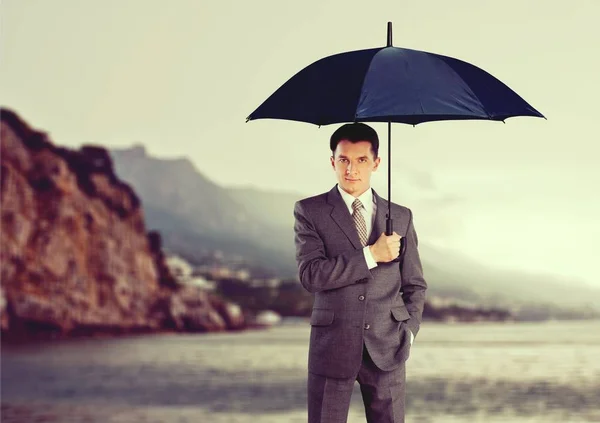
x,y
74,254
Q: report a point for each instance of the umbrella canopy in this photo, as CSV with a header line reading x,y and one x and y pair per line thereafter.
x,y
392,84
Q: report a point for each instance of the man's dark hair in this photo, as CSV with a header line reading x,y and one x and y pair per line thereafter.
x,y
355,132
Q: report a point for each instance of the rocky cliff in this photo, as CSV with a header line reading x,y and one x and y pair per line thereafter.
x,y
74,253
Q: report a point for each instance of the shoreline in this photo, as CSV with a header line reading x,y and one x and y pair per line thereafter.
x,y
11,339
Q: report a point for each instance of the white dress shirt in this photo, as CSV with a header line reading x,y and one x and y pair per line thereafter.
x,y
368,211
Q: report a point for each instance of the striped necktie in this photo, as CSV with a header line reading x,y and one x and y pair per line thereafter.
x,y
359,221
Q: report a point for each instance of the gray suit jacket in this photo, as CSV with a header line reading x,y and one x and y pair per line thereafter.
x,y
354,305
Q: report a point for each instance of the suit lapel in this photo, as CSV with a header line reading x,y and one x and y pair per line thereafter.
x,y
341,216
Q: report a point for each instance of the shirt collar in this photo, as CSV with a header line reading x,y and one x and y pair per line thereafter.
x,y
366,198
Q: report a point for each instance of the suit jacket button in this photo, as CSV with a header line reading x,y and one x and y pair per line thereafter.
x,y
361,298
367,326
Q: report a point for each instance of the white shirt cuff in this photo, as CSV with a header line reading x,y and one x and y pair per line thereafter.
x,y
412,337
371,263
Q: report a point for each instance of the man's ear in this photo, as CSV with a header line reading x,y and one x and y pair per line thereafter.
x,y
332,160
376,165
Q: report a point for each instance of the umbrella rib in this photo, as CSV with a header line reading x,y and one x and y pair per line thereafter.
x,y
421,105
363,83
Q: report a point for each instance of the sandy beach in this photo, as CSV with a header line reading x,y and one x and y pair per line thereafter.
x,y
486,372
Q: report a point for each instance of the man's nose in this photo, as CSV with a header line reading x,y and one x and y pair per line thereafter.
x,y
349,168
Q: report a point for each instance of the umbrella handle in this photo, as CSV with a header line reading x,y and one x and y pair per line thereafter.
x,y
389,226
389,229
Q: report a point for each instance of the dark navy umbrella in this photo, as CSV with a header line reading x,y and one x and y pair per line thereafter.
x,y
391,84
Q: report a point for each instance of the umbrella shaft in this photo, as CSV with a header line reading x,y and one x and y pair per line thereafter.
x,y
389,223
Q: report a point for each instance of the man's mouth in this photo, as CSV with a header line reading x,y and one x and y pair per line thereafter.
x,y
352,180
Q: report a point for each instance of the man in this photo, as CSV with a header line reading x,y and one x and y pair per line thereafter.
x,y
367,305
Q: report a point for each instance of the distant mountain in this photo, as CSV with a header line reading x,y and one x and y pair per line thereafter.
x,y
193,213
175,185
271,207
452,274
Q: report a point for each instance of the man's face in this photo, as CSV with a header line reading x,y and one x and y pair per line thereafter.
x,y
353,164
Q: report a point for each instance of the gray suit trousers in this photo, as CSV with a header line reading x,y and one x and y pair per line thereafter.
x,y
383,394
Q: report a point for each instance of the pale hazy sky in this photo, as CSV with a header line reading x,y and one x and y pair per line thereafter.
x,y
180,77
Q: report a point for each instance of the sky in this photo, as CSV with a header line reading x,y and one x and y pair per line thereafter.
x,y
181,77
